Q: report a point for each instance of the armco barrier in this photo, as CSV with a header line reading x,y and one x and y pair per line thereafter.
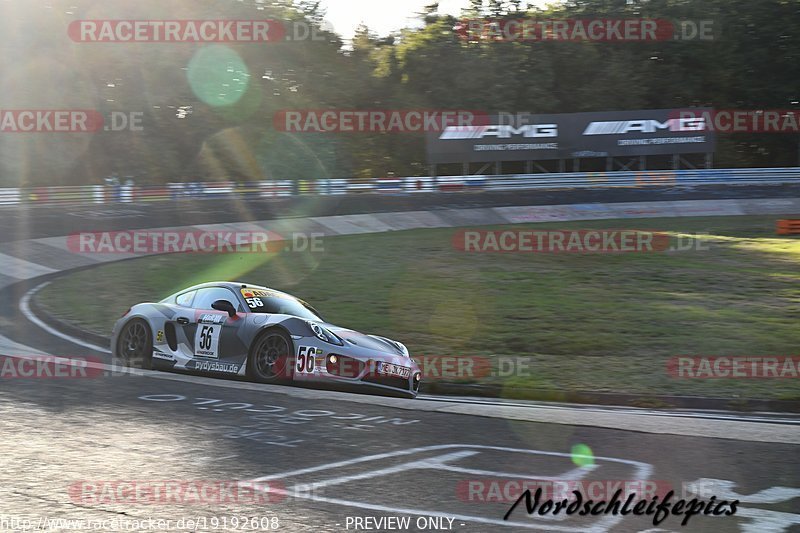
x,y
645,178
86,194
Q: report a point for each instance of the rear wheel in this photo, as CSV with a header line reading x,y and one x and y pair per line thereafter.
x,y
135,344
270,358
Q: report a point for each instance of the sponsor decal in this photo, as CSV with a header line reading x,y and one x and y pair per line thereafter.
x,y
510,147
213,366
163,356
521,136
254,293
211,318
263,293
159,336
499,131
621,127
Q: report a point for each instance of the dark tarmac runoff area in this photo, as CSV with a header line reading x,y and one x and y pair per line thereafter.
x,y
145,451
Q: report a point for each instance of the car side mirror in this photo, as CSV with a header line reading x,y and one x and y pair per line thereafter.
x,y
224,305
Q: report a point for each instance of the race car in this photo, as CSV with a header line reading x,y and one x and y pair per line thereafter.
x,y
267,335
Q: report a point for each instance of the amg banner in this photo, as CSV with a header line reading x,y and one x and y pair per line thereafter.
x,y
526,137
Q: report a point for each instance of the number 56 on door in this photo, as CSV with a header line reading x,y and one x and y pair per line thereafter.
x,y
305,360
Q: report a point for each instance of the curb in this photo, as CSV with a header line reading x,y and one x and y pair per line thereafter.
x,y
445,388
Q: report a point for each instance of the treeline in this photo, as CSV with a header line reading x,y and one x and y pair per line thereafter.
x,y
752,62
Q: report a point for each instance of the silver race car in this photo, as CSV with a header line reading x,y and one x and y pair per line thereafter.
x,y
267,335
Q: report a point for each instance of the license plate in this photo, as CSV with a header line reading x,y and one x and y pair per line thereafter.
x,y
394,370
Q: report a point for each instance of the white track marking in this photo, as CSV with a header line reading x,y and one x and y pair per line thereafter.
x,y
25,308
452,452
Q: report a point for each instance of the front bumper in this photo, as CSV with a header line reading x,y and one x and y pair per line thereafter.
x,y
333,367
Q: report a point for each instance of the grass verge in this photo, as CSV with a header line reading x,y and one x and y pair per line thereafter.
x,y
600,322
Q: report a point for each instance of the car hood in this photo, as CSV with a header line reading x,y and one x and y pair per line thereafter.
x,y
370,342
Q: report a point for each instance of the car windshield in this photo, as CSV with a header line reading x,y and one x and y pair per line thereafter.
x,y
268,301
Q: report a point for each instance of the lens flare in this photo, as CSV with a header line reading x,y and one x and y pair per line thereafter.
x,y
218,76
582,455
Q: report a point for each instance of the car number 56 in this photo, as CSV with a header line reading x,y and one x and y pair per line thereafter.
x,y
206,341
305,360
254,302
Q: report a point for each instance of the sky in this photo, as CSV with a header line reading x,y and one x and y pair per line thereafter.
x,y
382,16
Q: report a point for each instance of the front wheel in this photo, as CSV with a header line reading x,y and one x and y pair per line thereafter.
x,y
135,344
270,358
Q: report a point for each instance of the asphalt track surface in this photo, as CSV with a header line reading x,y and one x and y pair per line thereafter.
x,y
366,458
322,458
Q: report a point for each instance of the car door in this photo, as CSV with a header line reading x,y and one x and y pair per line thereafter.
x,y
212,335
171,344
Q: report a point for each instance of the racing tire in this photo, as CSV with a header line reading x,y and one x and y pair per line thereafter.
x,y
271,357
135,344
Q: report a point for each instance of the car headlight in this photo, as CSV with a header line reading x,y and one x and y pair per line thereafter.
x,y
325,334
